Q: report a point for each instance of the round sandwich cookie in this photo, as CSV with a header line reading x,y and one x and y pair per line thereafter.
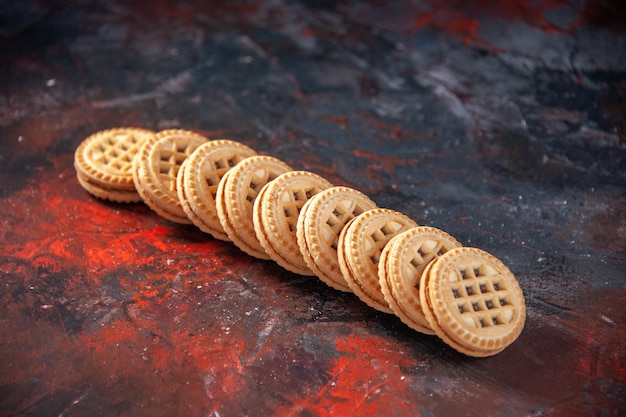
x,y
236,194
199,177
400,269
321,221
111,194
472,301
156,168
104,162
359,248
275,216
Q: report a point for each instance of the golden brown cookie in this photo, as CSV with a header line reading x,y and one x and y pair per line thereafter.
x,y
199,178
235,198
111,194
156,167
405,258
320,223
104,162
359,247
275,216
389,297
472,301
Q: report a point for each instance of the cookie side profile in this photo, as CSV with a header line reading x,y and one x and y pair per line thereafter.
x,y
156,167
320,223
408,255
276,212
104,161
110,194
359,247
199,178
235,199
386,288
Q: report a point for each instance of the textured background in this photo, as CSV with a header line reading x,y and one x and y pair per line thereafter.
x,y
502,123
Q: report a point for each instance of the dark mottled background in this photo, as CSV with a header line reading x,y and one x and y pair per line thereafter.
x,y
500,122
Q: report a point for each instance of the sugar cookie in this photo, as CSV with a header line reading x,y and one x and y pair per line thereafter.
x,y
359,247
104,162
156,167
275,216
321,221
199,177
472,301
235,198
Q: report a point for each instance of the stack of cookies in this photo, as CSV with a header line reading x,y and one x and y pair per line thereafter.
x,y
424,276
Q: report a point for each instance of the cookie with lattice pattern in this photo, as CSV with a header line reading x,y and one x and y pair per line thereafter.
x,y
405,258
236,195
472,301
359,248
320,223
275,216
156,167
104,162
385,288
199,178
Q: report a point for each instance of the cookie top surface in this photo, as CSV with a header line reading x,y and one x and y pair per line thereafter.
x,y
408,254
475,299
276,213
322,219
236,195
360,247
105,158
157,166
199,178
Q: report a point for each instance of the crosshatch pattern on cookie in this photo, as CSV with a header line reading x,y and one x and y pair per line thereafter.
x,y
337,219
409,253
320,224
257,181
106,157
200,179
171,156
482,298
293,202
277,210
385,287
239,188
250,176
376,240
476,299
367,236
426,251
237,192
116,151
157,165
219,166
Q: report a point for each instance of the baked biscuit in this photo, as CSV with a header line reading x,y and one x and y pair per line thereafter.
x,y
320,223
111,194
235,198
104,162
385,288
199,177
156,167
400,269
472,301
275,216
359,247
